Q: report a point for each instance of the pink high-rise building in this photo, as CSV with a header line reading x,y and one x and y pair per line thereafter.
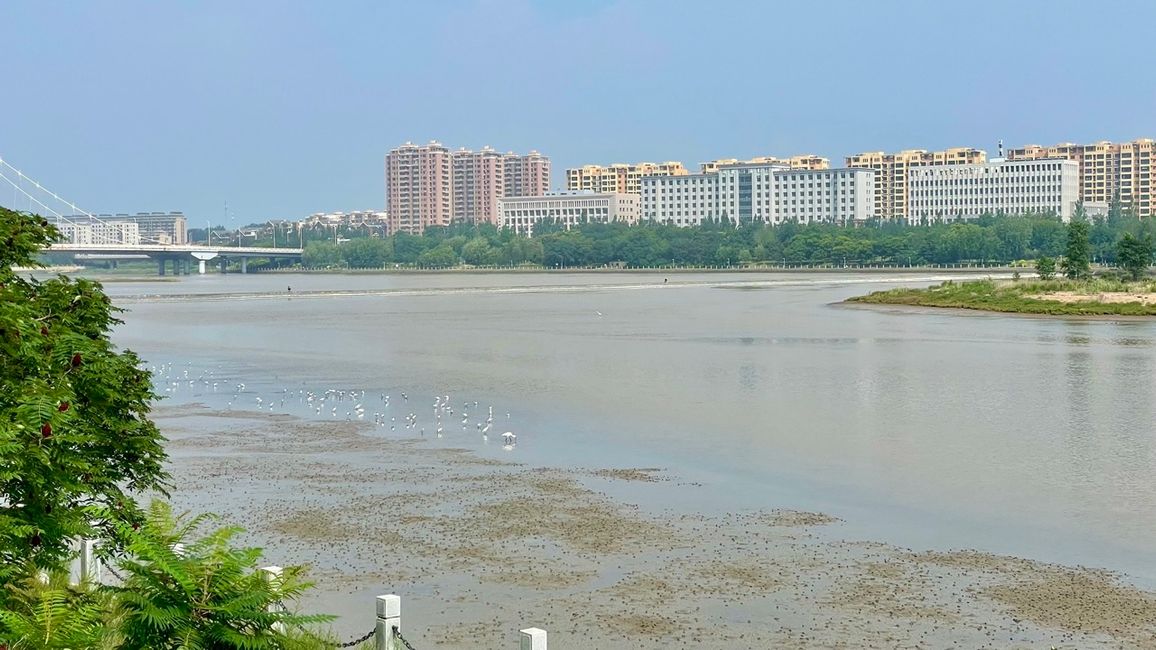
x,y
479,181
527,175
430,186
419,187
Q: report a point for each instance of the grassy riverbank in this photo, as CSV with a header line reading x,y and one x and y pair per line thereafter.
x,y
1098,297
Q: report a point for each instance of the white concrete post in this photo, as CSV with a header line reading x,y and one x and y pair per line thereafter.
x,y
201,268
89,567
388,617
273,574
533,639
244,265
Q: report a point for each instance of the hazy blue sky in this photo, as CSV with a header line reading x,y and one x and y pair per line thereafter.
x,y
286,108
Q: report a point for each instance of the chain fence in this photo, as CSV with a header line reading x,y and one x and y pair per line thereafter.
x,y
407,644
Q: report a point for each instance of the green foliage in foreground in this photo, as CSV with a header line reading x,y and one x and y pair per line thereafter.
x,y
76,450
207,594
75,441
1026,297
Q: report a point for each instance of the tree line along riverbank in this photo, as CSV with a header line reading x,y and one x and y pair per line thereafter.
x,y
1125,291
989,240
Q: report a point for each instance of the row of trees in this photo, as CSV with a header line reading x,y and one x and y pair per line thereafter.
x,y
77,450
987,239
1133,254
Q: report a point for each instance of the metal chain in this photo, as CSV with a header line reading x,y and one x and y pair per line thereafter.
x,y
367,636
356,642
113,572
407,644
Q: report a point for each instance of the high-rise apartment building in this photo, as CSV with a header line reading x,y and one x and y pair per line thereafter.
x,y
479,181
527,175
891,170
428,185
1106,170
619,178
805,161
1013,187
419,187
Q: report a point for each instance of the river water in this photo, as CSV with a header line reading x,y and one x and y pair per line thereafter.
x,y
926,429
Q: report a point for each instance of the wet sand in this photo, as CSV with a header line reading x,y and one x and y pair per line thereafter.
x,y
479,547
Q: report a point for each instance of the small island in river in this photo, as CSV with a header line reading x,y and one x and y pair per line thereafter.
x,y
1095,297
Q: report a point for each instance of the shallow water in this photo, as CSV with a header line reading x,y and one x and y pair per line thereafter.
x,y
927,429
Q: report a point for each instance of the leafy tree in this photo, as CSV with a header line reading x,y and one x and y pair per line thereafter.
x,y
182,593
55,615
1077,262
321,255
1045,267
1134,255
1115,208
439,257
75,442
366,253
76,446
477,251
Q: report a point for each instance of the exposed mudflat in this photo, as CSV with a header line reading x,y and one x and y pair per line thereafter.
x,y
480,547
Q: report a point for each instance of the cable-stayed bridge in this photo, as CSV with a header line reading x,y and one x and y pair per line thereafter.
x,y
102,237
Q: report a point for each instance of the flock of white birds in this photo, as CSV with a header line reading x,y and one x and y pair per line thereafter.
x,y
333,403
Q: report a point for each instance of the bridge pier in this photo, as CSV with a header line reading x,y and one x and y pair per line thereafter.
x,y
201,267
161,266
244,265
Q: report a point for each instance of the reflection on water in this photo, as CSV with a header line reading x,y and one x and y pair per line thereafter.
x,y
1023,435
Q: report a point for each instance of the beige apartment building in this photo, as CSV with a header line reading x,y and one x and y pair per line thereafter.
x,y
805,161
891,173
428,185
619,178
1105,169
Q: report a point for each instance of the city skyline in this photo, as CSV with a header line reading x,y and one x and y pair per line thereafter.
x,y
290,112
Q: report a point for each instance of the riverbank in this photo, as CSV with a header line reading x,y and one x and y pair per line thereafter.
x,y
480,546
1096,297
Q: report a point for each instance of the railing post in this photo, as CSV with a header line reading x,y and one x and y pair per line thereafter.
x,y
273,574
388,617
89,567
533,639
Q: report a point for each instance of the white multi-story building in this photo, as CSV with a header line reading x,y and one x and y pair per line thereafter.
x,y
764,193
117,233
522,213
949,192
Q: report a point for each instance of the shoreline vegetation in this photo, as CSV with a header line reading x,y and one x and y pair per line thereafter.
x,y
984,241
1092,297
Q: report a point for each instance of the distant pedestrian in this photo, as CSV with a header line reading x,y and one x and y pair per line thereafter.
x,y
664,280
289,289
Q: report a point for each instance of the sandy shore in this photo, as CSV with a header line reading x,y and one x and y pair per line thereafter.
x,y
480,547
1112,297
